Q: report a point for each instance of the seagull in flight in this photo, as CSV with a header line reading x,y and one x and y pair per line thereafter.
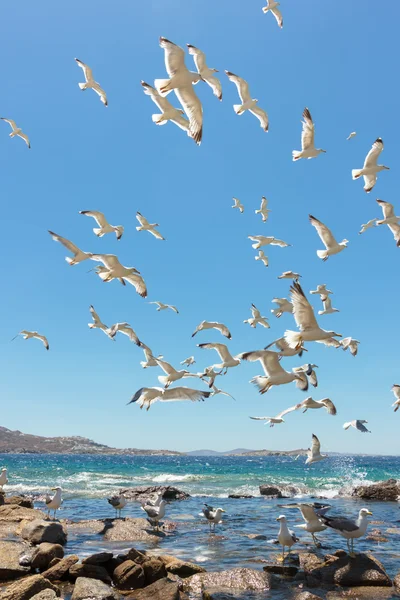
x,y
351,344
321,290
367,225
162,306
210,374
275,374
371,168
328,309
357,424
151,361
27,335
205,73
104,225
238,204
248,103
146,226
127,330
314,453
284,306
17,131
312,519
147,396
97,323
188,361
390,219
263,210
115,270
257,318
308,149
168,112
272,7
309,403
325,234
261,256
396,391
181,80
262,240
79,255
271,421
228,361
290,275
213,325
284,349
352,134
90,83
216,391
171,374
308,370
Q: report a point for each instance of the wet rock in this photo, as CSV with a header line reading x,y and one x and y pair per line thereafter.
x,y
393,530
136,556
382,490
90,589
256,536
376,538
10,567
272,491
154,569
240,579
143,492
130,530
58,571
307,596
396,582
362,570
39,531
28,587
240,496
129,576
179,567
163,589
88,571
284,571
45,595
98,559
44,554
23,501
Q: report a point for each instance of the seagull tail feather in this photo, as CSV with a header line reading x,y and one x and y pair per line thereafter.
x,y
82,86
265,9
158,119
356,173
238,109
161,86
69,260
322,254
296,154
293,338
97,232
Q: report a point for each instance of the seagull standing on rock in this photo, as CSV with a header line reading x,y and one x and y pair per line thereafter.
x,y
118,502
53,502
348,529
155,513
286,537
3,477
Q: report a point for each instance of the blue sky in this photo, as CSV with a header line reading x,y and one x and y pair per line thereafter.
x,y
87,157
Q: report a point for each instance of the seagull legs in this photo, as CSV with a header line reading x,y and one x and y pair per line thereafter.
x,y
316,541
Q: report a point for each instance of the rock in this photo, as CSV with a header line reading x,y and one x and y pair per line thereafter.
x,y
136,556
10,567
131,530
239,496
240,579
26,588
98,559
272,491
143,492
154,569
393,530
163,589
129,576
256,536
44,554
23,501
179,567
382,490
362,570
90,589
396,582
285,571
14,512
45,595
59,570
39,531
88,571
309,562
307,596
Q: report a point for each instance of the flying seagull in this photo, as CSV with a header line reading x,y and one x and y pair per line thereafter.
x,y
321,290
238,204
308,149
151,361
313,453
228,361
27,335
126,329
210,374
272,6
283,306
17,131
53,502
168,112
284,348
146,226
115,270
97,323
312,521
205,72
216,391
262,240
256,318
213,515
271,421
147,396
171,374
248,103
104,225
367,225
181,80
352,134
328,309
118,503
351,344
325,234
79,255
370,168
390,219
213,325
263,210
286,537
396,391
274,373
308,370
290,275
348,529
309,403
261,256
161,306
90,83
188,361
357,424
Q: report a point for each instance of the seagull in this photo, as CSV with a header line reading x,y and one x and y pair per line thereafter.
x,y
388,213
330,342
308,370
367,225
211,374
3,477
97,323
352,134
313,453
286,537
126,329
263,210
257,318
284,348
371,168
308,150
213,325
171,373
357,424
312,521
90,82
103,224
272,6
79,255
325,234
238,204
146,226
188,361
262,240
147,396
305,320
213,515
168,112
309,403
151,361
162,306
216,391
351,344
205,73
275,374
53,503
271,421
118,502
27,335
321,290
327,303
17,131
115,270
348,529
155,513
181,80
248,103
396,391
228,360
261,256
284,306
290,275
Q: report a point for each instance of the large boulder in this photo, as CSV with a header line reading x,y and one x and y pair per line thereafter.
x,y
59,570
129,576
179,567
28,587
39,531
14,512
91,589
143,492
10,566
44,554
388,490
89,572
360,570
154,569
46,595
23,501
130,530
98,559
163,589
240,580
272,490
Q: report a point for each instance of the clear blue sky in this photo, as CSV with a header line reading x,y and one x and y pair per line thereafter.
x,y
84,156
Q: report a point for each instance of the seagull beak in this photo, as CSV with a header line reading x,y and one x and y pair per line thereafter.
x,y
370,513
53,489
222,510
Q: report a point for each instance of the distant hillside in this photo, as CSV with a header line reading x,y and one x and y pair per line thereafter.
x,y
16,442
245,452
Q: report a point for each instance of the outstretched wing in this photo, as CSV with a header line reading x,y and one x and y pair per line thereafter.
x,y
261,116
174,56
71,247
324,233
302,310
184,393
241,85
330,407
97,216
372,157
87,71
307,134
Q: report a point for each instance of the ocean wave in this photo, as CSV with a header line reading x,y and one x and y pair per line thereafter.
x,y
170,477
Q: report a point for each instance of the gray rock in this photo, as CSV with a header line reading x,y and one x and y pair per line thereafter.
x,y
44,554
283,570
163,589
143,492
59,570
45,595
388,490
307,596
91,589
240,496
88,571
131,530
272,490
16,513
39,531
129,576
98,559
23,501
179,567
361,570
10,567
28,587
240,579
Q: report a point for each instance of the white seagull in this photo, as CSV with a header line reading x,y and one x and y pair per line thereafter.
x,y
213,325
308,370
262,240
348,529
204,71
171,374
275,374
308,149
313,453
53,502
161,306
181,80
305,319
261,256
283,306
325,234
118,503
309,403
263,210
357,424
151,361
104,225
351,344
27,335
3,477
367,225
216,391
257,319
147,396
126,329
312,521
352,134
155,513
213,515
79,255
290,275
115,270
210,374
271,421
97,323
286,537
284,348
396,391
248,103
272,6
228,361
328,309
321,290
188,361
238,204
90,83
390,219
370,168
17,131
146,226
168,112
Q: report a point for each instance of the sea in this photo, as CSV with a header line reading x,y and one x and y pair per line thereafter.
x,y
87,481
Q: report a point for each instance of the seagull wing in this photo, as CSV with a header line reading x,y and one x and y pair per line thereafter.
x,y
307,134
372,157
223,329
261,116
174,56
99,90
302,309
25,138
327,302
109,260
220,348
288,410
263,203
324,233
142,220
330,342
339,523
361,427
146,394
95,316
260,418
127,330
241,85
10,122
395,229
86,70
43,339
347,426
198,56
308,512
97,216
255,312
57,238
166,367
215,85
181,122
316,445
184,393
268,359
387,208
330,407
278,16
194,110
138,283
162,102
